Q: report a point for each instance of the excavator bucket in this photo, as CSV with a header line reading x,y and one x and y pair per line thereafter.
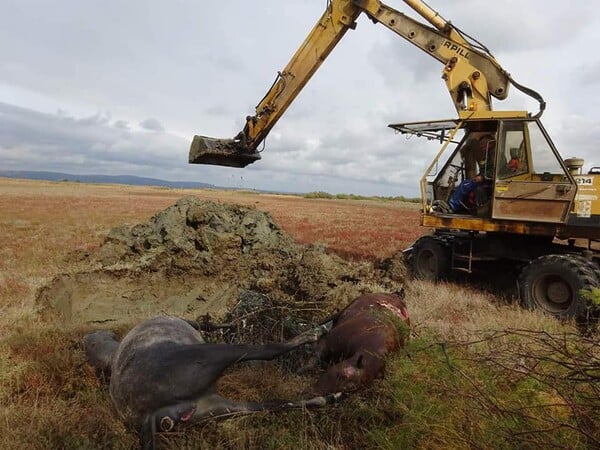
x,y
221,152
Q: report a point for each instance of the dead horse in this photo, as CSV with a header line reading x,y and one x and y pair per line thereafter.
x,y
163,374
362,336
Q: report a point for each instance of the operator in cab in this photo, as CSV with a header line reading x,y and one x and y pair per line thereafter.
x,y
472,194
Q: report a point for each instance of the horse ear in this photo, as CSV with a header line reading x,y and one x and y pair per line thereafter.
x,y
359,362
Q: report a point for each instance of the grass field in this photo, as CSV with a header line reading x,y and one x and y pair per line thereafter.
x,y
478,373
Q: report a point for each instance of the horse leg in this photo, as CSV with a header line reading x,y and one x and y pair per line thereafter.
x,y
310,336
214,406
194,369
243,352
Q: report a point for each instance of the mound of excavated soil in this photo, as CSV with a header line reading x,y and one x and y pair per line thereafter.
x,y
195,258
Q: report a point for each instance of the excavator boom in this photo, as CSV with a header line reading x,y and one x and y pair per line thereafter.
x,y
471,73
242,149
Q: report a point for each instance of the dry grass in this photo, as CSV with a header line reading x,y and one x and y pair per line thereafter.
x,y
455,312
49,398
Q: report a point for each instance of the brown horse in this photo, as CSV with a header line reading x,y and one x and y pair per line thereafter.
x,y
363,334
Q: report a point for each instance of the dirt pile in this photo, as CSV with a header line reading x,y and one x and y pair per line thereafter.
x,y
194,259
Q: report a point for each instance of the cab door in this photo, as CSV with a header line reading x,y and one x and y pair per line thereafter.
x,y
532,183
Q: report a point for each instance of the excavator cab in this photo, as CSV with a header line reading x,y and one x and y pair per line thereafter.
x,y
503,169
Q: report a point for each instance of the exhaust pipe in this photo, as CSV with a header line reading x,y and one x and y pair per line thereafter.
x,y
221,152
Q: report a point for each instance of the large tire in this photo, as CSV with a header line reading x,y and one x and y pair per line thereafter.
x,y
430,258
594,267
553,283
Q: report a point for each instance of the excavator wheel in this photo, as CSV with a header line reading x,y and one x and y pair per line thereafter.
x,y
553,283
594,267
430,258
592,317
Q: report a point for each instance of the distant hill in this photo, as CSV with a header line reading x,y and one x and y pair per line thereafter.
x,y
105,179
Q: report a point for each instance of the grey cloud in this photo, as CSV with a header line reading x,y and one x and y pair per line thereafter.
x,y
30,137
152,124
514,25
96,119
217,110
121,124
350,154
588,73
578,136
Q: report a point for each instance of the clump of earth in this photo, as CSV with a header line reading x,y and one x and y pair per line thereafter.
x,y
196,258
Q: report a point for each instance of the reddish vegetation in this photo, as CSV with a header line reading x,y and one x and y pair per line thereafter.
x,y
355,229
350,228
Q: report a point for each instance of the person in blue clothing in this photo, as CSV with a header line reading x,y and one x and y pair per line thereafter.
x,y
473,193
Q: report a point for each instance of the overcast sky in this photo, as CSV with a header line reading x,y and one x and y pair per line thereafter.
x,y
120,87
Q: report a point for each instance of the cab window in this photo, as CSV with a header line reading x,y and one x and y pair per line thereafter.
x,y
513,159
545,165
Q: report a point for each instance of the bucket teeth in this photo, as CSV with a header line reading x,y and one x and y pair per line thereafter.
x,y
221,152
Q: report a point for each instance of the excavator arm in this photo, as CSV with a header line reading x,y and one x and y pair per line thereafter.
x,y
470,72
339,16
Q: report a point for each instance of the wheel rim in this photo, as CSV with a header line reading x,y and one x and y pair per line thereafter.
x,y
553,293
427,264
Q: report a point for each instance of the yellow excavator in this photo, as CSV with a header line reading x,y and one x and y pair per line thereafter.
x,y
498,190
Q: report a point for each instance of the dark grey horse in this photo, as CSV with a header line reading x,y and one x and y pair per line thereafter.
x,y
163,374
